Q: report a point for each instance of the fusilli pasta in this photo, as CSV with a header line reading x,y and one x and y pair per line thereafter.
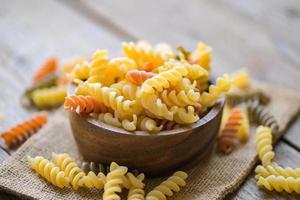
x,y
202,56
114,181
168,187
263,139
145,123
49,97
138,77
47,68
85,104
72,171
276,170
280,183
47,170
22,131
181,99
215,91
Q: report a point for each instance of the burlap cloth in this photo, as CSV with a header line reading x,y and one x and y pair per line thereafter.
x,y
211,178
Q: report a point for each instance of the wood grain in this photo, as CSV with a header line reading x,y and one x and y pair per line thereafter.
x,y
237,42
286,156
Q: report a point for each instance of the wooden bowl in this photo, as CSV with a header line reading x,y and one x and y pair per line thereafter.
x,y
149,153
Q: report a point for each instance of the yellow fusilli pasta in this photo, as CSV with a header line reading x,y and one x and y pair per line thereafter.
x,y
164,80
202,56
215,91
91,180
276,170
114,181
147,124
181,98
186,115
81,71
263,139
113,120
280,183
155,106
72,171
47,170
168,187
49,97
135,185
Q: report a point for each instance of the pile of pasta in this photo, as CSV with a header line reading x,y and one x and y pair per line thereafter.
x,y
148,88
49,84
63,171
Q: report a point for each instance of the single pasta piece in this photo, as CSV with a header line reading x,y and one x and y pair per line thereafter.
x,y
47,170
241,79
135,185
180,99
81,71
280,183
243,132
263,139
202,56
91,180
168,187
145,123
85,104
69,166
98,66
154,105
49,97
67,67
22,131
215,91
186,115
228,134
113,120
144,54
259,114
114,181
276,170
185,85
164,80
138,77
47,68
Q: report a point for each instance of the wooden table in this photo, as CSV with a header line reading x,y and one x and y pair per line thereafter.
x,y
260,35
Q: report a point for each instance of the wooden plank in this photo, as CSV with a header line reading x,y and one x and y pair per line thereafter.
x,y
27,38
285,156
30,32
237,41
282,21
293,136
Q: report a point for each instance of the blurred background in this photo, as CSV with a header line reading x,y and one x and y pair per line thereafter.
x,y
262,36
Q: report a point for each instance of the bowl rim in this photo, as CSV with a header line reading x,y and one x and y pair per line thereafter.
x,y
209,116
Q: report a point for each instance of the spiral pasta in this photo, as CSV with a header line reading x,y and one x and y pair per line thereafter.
x,y
113,120
49,97
276,170
259,114
84,104
202,56
168,187
181,99
155,106
215,91
138,77
235,97
91,180
145,123
186,115
241,80
47,68
228,134
47,170
185,85
263,139
280,183
72,171
22,131
164,80
145,54
114,181
81,71
135,185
